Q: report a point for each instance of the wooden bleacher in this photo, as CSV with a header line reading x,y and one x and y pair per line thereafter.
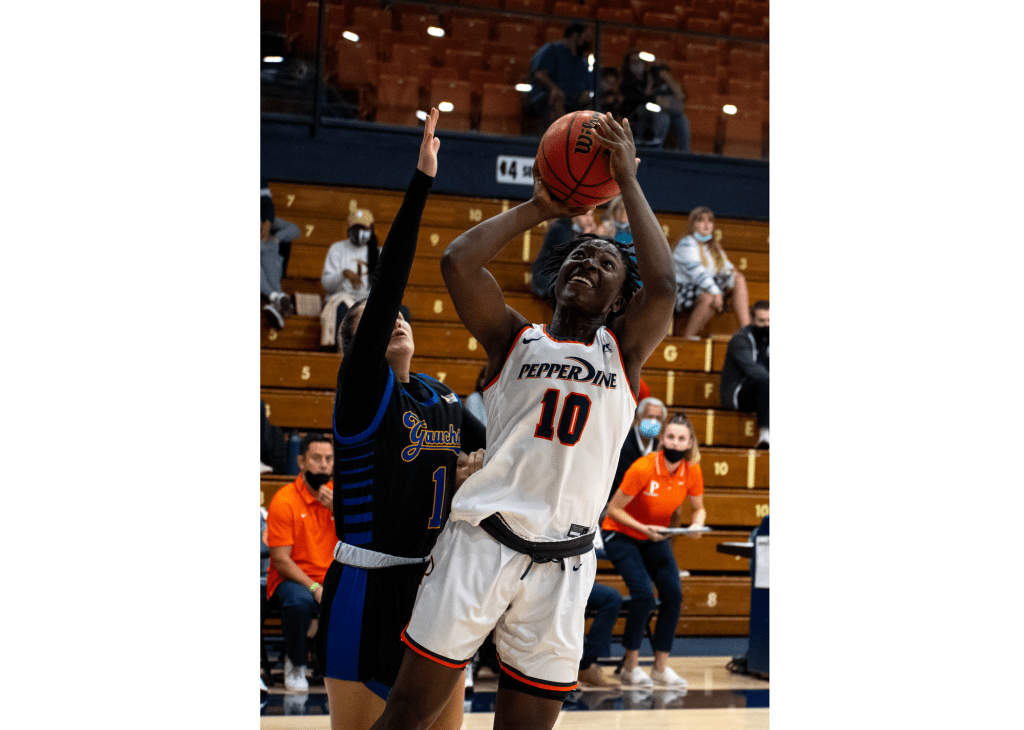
x,y
298,376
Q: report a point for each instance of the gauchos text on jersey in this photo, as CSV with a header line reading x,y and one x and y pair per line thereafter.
x,y
424,438
568,371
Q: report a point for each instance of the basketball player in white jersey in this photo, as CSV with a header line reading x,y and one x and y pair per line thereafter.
x,y
516,555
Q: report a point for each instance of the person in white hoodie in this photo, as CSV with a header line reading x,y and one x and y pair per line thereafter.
x,y
346,272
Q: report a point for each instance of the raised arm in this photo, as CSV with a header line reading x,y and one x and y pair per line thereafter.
x,y
364,373
477,297
649,313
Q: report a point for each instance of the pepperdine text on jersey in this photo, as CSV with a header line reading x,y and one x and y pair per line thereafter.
x,y
567,371
423,438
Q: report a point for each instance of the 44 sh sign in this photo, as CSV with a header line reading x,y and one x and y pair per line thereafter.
x,y
515,170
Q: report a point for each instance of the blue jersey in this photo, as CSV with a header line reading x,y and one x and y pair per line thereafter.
x,y
393,483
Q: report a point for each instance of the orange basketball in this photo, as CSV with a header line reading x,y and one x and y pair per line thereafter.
x,y
571,163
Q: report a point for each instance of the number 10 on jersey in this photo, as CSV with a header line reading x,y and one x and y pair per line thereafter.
x,y
575,410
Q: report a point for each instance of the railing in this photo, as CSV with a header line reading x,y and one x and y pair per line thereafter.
x,y
388,62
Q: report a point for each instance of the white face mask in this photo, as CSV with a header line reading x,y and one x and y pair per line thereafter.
x,y
364,236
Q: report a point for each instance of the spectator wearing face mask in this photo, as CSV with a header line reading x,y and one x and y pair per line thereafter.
x,y
346,274
301,536
705,278
617,222
744,385
649,499
637,88
642,438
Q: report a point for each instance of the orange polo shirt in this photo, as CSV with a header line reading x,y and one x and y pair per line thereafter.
x,y
295,517
656,492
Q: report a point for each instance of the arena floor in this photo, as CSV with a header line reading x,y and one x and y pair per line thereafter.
x,y
715,699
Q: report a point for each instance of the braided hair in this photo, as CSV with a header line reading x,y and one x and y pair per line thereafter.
x,y
627,252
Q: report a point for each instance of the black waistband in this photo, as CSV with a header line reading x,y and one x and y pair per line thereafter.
x,y
540,552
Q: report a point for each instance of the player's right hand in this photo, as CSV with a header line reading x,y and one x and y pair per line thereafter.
x,y
549,207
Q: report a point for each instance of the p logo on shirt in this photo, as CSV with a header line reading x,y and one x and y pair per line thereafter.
x,y
652,488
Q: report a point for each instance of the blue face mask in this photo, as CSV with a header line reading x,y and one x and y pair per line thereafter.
x,y
701,237
650,427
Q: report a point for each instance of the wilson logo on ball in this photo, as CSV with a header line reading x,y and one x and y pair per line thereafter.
x,y
572,164
584,141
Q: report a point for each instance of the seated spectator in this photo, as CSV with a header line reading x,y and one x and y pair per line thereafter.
x,y
561,77
668,94
277,304
346,273
650,498
273,450
559,231
284,231
618,224
301,536
744,385
705,278
474,402
642,438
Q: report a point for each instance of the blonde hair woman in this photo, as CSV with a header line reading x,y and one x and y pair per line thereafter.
x,y
705,277
649,499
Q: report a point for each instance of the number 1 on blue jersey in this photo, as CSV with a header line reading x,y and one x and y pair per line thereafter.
x,y
439,479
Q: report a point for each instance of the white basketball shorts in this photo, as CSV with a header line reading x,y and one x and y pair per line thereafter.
x,y
474,584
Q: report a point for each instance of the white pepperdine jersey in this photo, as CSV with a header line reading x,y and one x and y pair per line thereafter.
x,y
557,416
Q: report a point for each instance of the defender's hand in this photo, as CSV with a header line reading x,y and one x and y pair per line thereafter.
x,y
428,147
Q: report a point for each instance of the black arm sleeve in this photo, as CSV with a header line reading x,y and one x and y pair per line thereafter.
x,y
363,375
474,433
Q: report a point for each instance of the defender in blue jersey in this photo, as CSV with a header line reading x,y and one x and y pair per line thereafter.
x,y
402,443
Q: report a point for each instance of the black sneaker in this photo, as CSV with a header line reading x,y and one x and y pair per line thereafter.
x,y
285,305
273,315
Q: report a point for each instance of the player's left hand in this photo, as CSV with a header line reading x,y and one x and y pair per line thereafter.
x,y
468,464
326,497
618,140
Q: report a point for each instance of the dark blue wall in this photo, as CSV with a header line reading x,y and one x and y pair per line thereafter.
x,y
378,156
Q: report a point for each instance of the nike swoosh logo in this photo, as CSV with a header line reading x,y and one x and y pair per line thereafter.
x,y
527,342
577,567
